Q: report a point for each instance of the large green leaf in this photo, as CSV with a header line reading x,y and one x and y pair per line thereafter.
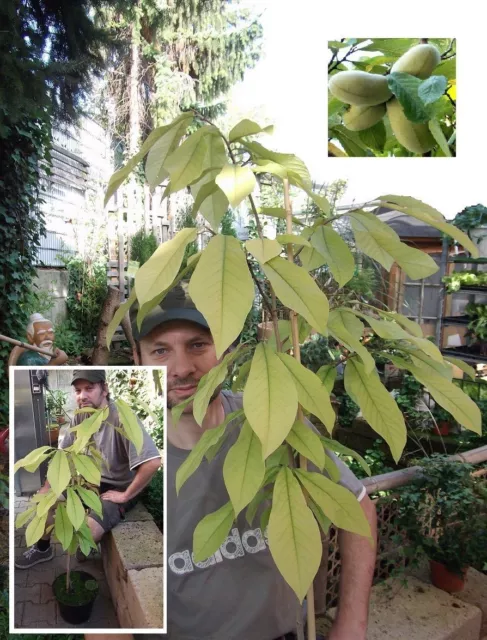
x,y
279,212
410,325
211,532
470,371
350,141
87,468
311,259
375,136
118,316
132,429
236,183
345,327
122,174
186,163
24,517
297,289
377,406
244,468
373,237
58,473
63,527
437,133
243,372
416,263
307,443
46,502
263,249
74,509
35,530
337,503
432,89
32,457
90,498
312,394
155,170
447,394
87,428
290,238
327,374
267,166
405,87
247,127
297,170
159,272
323,521
270,399
294,536
338,447
222,289
338,256
212,202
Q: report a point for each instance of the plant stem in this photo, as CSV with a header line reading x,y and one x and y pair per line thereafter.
x,y
68,573
303,463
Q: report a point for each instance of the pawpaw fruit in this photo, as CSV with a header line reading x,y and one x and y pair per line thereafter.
x,y
414,137
360,118
359,88
419,61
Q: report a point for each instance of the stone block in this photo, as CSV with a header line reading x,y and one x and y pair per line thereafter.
x,y
20,577
35,614
148,591
138,514
23,594
46,593
139,545
18,612
37,576
419,611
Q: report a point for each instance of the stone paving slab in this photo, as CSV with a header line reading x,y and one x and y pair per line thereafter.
x,y
148,589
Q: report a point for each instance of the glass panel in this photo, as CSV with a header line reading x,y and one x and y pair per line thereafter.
x,y
410,306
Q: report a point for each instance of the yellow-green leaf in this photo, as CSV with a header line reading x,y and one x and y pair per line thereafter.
x,y
246,127
243,469
377,406
58,473
323,521
119,315
32,457
63,527
338,256
159,271
177,411
91,499
311,259
25,516
416,263
411,205
294,536
373,237
211,190
133,430
297,171
266,166
345,327
423,360
35,530
270,399
312,394
87,468
338,447
211,532
243,372
307,443
327,374
337,503
155,170
279,212
186,163
222,289
470,371
410,325
46,502
290,238
263,249
297,290
236,183
74,509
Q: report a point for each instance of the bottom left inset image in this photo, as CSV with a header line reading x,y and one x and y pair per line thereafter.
x,y
87,498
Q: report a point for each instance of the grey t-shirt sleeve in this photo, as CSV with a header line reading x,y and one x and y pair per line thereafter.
x,y
148,452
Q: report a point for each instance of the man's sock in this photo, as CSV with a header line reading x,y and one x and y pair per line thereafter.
x,y
43,545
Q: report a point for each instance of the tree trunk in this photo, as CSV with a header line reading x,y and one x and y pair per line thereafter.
x,y
127,329
111,304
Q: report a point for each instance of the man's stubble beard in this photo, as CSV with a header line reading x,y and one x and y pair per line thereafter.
x,y
189,409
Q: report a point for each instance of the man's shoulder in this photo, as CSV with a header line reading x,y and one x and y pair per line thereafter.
x,y
232,401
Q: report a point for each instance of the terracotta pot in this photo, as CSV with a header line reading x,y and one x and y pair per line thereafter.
x,y
442,428
446,580
52,435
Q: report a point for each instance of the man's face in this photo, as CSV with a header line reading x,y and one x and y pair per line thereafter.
x,y
188,352
43,335
90,394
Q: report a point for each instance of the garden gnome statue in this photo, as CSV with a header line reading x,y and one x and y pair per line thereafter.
x,y
40,333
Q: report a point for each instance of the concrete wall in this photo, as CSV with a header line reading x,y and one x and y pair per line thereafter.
x,y
55,281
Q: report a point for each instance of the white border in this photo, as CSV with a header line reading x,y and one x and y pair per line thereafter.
x,y
75,630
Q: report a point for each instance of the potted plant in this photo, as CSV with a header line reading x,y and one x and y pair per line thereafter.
x,y
443,419
477,326
55,402
443,514
73,473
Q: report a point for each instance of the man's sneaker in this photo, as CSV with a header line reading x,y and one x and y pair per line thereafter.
x,y
93,555
33,556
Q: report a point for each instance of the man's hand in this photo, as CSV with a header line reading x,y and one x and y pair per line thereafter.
x,y
114,496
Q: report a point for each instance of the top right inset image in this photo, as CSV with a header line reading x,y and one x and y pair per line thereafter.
x,y
392,97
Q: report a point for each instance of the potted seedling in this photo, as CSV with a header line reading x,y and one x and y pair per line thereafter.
x,y
73,473
55,402
443,514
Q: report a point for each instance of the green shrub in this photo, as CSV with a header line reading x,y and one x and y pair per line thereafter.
x,y
142,246
153,498
69,340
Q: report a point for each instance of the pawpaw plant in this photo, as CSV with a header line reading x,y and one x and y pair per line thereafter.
x,y
401,102
222,170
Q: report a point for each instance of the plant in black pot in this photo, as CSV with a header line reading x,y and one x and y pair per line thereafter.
x,y
55,401
74,475
444,514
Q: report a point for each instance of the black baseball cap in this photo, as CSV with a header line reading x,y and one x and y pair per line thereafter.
x,y
92,375
176,305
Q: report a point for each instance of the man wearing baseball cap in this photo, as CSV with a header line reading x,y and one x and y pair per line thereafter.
x,y
238,592
124,472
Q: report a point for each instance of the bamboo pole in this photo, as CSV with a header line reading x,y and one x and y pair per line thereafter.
x,y
303,463
25,345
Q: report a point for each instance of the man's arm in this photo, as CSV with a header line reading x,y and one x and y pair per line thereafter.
x,y
357,571
143,476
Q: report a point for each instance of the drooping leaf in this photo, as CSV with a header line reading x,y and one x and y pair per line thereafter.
x,y
244,468
222,289
46,502
118,316
345,327
297,170
263,249
243,372
375,136
270,399
132,429
307,443
327,374
311,259
336,252
236,183
62,526
416,263
373,237
312,394
87,468
323,521
162,267
279,212
432,88
338,447
410,325
177,411
85,535
293,534
437,133
155,170
289,238
58,473
405,87
90,498
377,406
255,503
24,517
267,166
211,532
187,162
35,530
246,127
297,290
32,457
470,371
337,503
74,509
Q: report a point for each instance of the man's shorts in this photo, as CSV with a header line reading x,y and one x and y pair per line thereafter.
x,y
113,513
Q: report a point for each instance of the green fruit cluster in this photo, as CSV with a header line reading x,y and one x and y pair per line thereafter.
x,y
370,98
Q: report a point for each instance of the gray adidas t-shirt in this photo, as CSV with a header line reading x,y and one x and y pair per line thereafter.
x,y
238,593
119,454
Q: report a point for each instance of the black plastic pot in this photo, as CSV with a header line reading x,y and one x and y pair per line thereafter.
x,y
71,611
